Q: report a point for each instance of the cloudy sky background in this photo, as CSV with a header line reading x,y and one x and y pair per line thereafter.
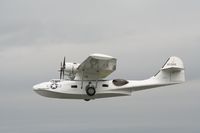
x,y
141,34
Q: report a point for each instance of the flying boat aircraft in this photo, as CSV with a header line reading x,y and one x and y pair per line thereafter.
x,y
87,80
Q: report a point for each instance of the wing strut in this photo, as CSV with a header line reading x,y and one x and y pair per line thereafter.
x,y
82,79
96,83
97,80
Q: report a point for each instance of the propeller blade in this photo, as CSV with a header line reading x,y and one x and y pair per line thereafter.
x,y
64,63
62,69
60,74
63,73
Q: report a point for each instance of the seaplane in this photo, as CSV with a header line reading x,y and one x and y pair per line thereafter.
x,y
87,80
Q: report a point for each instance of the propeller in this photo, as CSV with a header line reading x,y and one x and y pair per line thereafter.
x,y
62,69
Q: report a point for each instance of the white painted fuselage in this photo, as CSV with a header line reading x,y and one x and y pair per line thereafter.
x,y
66,89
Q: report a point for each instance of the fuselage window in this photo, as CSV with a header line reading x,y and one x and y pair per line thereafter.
x,y
105,85
74,86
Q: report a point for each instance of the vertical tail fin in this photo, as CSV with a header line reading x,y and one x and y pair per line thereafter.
x,y
172,71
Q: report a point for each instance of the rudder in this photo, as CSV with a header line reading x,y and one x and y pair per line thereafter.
x,y
172,71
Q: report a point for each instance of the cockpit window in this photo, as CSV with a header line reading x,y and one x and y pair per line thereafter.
x,y
55,80
120,82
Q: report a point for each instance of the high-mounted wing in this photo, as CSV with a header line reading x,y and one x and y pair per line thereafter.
x,y
97,66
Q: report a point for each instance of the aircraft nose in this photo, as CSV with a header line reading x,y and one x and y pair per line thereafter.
x,y
36,87
41,86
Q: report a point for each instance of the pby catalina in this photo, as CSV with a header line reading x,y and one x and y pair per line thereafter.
x,y
87,80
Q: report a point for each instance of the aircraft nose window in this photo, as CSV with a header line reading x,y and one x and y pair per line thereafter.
x,y
120,82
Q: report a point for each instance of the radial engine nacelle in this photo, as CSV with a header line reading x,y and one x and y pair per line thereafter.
x,y
71,69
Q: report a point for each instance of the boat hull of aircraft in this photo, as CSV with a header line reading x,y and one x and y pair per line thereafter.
x,y
72,89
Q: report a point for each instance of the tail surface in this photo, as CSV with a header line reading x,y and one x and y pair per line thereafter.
x,y
172,71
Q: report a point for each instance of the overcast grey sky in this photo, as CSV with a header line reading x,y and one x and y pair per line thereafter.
x,y
141,34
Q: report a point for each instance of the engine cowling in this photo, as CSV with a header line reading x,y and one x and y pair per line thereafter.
x,y
71,70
